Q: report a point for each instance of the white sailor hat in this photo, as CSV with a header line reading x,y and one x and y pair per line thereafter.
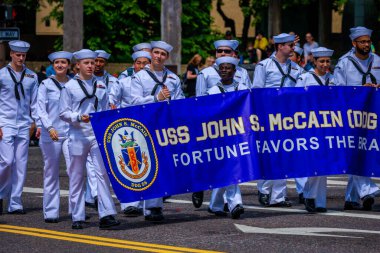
x,y
141,46
162,45
60,55
227,59
85,54
233,44
140,54
19,46
103,54
321,52
283,38
358,31
298,50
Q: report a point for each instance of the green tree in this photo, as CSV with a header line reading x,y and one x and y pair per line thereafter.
x,y
117,25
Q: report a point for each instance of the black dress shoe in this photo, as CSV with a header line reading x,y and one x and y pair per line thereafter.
x,y
87,217
237,211
264,199
132,211
197,199
225,208
77,225
18,211
155,215
301,199
368,201
281,204
310,205
1,207
51,220
349,205
321,209
218,213
108,221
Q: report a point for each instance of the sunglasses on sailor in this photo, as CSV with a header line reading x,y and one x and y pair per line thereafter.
x,y
227,51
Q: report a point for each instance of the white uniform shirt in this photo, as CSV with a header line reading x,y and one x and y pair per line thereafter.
x,y
308,79
209,77
126,73
48,109
13,112
346,73
108,79
142,86
268,75
120,94
222,88
71,109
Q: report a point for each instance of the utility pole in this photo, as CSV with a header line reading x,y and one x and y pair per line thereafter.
x,y
72,25
171,29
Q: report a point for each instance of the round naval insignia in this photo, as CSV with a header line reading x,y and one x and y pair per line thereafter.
x,y
130,153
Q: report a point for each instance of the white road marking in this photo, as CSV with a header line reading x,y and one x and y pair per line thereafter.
x,y
65,193
307,231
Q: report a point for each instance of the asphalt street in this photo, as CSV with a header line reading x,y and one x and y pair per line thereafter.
x,y
187,229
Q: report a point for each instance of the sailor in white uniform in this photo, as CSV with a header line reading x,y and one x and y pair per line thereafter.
x,y
155,83
139,47
226,68
300,182
314,190
103,76
18,109
359,67
54,133
84,95
120,97
209,76
276,72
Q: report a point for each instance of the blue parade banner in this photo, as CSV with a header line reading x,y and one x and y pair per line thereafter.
x,y
207,142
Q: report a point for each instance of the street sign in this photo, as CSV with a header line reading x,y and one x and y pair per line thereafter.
x,y
9,33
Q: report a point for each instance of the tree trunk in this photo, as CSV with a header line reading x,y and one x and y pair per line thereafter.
x,y
274,17
324,21
246,24
72,25
228,22
171,30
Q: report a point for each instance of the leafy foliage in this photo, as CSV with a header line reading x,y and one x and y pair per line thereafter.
x,y
115,26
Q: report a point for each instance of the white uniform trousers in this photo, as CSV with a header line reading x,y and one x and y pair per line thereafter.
x,y
152,203
232,194
300,184
138,204
79,148
51,152
14,148
358,187
91,187
315,188
276,189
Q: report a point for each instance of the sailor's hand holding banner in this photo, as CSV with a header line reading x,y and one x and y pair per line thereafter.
x,y
232,138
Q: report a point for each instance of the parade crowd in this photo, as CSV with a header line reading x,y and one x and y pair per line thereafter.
x,y
60,106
